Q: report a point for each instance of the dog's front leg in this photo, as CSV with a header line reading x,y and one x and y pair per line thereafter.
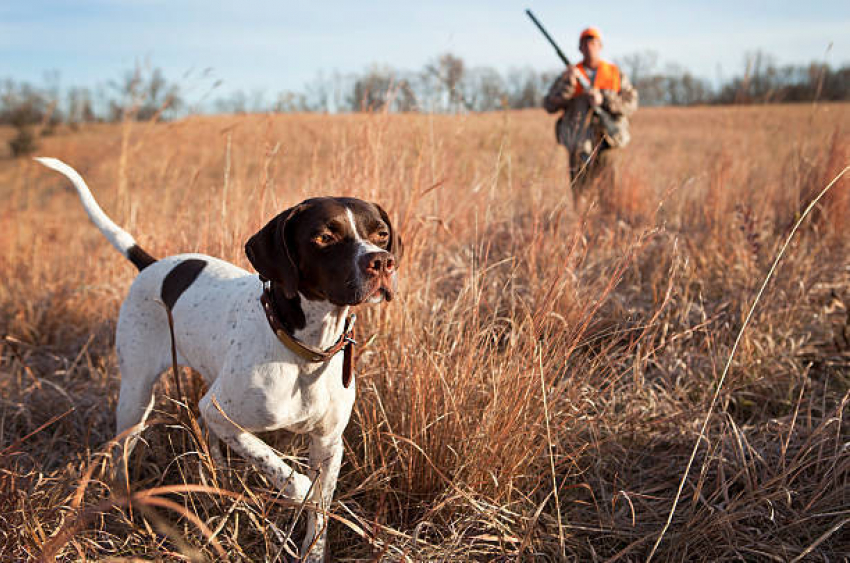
x,y
325,457
293,484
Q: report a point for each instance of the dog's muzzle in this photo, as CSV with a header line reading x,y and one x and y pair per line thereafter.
x,y
379,275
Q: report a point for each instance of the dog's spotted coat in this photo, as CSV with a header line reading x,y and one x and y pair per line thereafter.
x,y
320,257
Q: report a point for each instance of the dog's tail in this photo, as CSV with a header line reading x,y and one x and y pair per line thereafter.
x,y
120,239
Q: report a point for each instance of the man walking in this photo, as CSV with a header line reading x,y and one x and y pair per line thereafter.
x,y
580,129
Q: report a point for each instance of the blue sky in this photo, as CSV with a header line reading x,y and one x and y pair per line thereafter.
x,y
278,45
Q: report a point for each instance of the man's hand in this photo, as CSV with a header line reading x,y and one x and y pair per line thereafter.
x,y
594,96
572,74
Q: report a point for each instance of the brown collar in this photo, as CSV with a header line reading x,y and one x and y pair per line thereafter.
x,y
310,353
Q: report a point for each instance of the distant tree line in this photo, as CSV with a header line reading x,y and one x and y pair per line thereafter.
x,y
36,111
446,84
762,81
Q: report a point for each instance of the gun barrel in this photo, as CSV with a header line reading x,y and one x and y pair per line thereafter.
x,y
548,37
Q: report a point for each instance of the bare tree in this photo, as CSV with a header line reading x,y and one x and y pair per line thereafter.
x,y
79,107
448,70
25,108
404,97
291,102
143,95
638,66
317,95
526,87
371,91
236,102
485,89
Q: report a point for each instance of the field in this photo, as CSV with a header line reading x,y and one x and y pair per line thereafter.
x,y
536,391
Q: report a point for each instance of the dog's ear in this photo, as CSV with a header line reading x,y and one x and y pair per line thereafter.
x,y
396,248
271,252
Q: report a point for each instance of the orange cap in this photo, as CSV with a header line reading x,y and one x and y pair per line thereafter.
x,y
590,32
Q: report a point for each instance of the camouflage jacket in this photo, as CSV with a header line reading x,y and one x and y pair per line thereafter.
x,y
579,129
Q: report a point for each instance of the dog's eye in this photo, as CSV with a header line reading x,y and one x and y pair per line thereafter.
x,y
324,238
383,235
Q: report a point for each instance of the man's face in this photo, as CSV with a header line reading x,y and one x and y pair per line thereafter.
x,y
591,48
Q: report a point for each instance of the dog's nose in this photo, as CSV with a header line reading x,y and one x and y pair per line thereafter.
x,y
377,263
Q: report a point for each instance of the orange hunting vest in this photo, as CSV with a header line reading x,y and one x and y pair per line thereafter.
x,y
607,77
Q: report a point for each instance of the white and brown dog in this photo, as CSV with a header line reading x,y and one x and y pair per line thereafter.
x,y
268,352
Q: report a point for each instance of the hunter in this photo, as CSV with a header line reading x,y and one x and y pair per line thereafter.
x,y
580,129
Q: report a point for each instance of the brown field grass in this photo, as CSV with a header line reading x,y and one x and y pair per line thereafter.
x,y
537,389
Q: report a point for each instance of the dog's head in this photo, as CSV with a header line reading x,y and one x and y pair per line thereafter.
x,y
339,249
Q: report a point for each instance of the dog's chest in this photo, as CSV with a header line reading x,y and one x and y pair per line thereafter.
x,y
257,380
282,395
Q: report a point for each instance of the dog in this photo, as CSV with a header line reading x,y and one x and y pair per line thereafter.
x,y
270,346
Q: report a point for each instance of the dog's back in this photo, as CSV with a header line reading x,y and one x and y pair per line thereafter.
x,y
203,294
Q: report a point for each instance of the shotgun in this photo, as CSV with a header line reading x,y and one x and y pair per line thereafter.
x,y
608,122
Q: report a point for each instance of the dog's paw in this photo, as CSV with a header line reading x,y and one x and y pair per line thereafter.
x,y
296,486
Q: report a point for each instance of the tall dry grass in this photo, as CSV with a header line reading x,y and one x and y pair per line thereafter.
x,y
537,389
